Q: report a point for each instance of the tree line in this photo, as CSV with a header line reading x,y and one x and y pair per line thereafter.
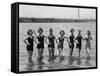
x,y
25,19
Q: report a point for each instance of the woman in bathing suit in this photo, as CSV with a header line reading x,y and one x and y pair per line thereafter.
x,y
51,45
29,41
71,42
60,42
40,45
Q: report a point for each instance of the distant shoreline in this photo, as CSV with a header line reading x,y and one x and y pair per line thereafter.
x,y
53,20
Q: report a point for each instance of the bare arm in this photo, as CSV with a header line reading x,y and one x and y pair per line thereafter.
x,y
68,40
46,40
26,41
91,38
65,37
34,33
75,40
57,41
83,38
35,40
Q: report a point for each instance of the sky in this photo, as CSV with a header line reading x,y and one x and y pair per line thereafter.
x,y
55,12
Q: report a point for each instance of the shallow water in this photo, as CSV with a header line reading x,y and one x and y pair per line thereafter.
x,y
83,26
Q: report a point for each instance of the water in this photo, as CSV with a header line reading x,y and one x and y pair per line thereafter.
x,y
83,26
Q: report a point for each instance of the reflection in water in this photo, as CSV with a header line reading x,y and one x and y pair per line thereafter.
x,y
30,66
40,67
87,62
29,69
72,62
49,67
61,59
78,61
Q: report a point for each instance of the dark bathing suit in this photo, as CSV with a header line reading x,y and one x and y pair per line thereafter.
x,y
41,41
71,45
88,45
79,39
61,41
30,41
51,41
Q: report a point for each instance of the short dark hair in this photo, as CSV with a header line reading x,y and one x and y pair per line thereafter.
x,y
62,31
79,30
28,32
50,30
40,29
89,32
72,30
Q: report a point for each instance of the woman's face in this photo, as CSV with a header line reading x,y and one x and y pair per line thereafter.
x,y
40,31
50,31
79,32
62,33
87,32
30,32
72,32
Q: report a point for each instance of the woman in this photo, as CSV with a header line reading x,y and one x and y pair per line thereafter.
x,y
71,40
78,40
88,39
51,45
30,43
40,45
60,42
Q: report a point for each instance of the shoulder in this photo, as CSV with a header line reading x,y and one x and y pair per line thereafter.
x,y
86,36
76,37
27,37
43,35
69,37
54,36
37,36
65,37
59,37
48,37
81,36
33,37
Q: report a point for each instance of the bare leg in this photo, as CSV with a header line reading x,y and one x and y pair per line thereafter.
x,y
61,57
49,52
41,55
38,52
38,55
60,52
49,49
88,51
41,52
79,52
71,52
52,54
30,53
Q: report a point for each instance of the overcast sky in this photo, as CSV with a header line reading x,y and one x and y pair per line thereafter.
x,y
55,12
